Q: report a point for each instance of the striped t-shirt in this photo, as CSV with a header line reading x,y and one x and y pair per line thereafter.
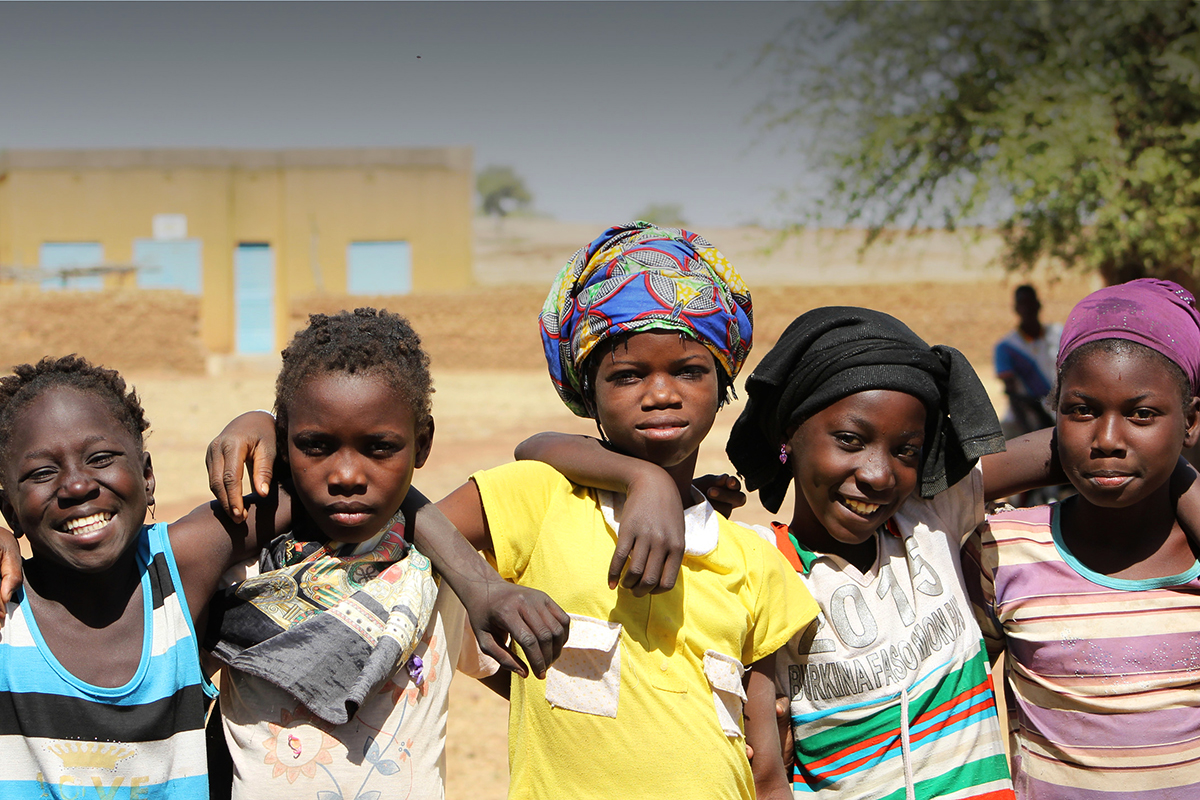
x,y
63,738
891,693
1103,673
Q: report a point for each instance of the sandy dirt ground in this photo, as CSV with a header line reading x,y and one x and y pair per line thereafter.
x,y
491,386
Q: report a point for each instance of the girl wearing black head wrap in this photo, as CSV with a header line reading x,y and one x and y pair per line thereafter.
x,y
881,434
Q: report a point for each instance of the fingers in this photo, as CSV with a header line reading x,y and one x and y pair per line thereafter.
x,y
10,577
542,637
637,577
787,740
670,570
264,462
503,655
226,459
617,565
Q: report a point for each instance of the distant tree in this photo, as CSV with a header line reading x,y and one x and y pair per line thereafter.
x,y
1076,124
501,191
668,215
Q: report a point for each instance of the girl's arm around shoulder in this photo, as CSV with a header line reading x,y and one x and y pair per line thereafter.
x,y
651,537
762,732
206,542
499,611
1027,462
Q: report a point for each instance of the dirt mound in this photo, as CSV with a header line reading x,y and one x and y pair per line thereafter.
x,y
124,329
496,328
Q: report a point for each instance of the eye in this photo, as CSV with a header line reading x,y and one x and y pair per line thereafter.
x,y
383,449
623,377
909,452
312,446
693,372
850,441
40,475
1079,411
1143,414
102,459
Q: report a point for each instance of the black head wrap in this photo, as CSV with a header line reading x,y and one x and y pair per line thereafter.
x,y
831,353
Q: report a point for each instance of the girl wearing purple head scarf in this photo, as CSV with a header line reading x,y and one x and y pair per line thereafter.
x,y
1097,598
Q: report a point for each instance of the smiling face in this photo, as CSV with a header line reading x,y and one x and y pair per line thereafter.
x,y
1121,425
76,482
854,462
352,446
656,397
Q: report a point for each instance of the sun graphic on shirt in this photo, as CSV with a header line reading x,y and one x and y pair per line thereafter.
x,y
296,746
404,687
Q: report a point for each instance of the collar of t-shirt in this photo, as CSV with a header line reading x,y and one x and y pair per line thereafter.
x,y
802,558
700,525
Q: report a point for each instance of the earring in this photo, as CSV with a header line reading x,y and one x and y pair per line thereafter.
x,y
783,455
152,511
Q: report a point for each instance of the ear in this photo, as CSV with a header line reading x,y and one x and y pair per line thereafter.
x,y
10,515
148,476
424,442
1191,419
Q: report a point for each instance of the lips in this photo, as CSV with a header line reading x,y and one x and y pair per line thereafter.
x,y
349,514
662,427
1108,479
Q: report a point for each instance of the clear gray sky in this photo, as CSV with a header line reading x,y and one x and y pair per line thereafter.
x,y
602,107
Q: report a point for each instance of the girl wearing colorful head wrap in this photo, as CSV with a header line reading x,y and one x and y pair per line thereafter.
x,y
1097,597
644,330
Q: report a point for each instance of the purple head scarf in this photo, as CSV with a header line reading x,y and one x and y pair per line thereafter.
x,y
1158,314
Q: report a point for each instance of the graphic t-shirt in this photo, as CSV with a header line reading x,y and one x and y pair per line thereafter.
x,y
891,689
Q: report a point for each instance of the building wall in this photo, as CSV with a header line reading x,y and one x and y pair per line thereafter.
x,y
309,205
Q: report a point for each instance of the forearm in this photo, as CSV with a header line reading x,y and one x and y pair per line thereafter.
x,y
447,550
1028,462
586,461
762,732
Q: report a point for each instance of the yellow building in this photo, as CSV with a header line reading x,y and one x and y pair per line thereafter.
x,y
247,230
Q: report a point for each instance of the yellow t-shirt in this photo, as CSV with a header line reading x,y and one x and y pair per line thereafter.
x,y
646,699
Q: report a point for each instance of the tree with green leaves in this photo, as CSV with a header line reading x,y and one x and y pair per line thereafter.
x,y
501,191
1075,125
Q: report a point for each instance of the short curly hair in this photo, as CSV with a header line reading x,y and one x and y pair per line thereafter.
x,y
368,341
30,381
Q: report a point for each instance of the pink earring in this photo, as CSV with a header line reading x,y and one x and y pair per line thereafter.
x,y
783,454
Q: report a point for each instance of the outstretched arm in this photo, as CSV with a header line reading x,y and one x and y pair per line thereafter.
x,y
497,609
1028,462
651,534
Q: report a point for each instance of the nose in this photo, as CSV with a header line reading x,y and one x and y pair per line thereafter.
x,y
1106,438
76,484
876,470
346,476
660,393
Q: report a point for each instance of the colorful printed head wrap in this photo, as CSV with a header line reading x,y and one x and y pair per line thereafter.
x,y
639,277
1158,314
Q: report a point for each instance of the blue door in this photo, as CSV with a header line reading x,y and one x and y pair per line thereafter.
x,y
254,298
64,255
172,265
378,268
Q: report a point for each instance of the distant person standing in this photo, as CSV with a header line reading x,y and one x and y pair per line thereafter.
x,y
1025,362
